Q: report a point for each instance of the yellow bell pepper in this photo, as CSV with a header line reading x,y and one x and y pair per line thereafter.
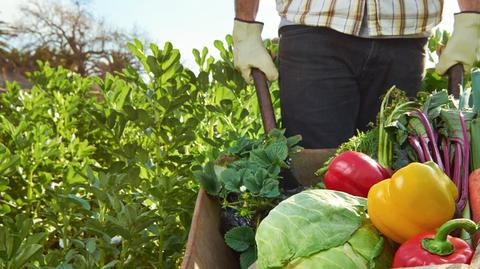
x,y
417,198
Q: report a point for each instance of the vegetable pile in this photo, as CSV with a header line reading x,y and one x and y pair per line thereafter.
x,y
414,167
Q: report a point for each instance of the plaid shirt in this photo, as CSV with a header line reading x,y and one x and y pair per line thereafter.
x,y
382,17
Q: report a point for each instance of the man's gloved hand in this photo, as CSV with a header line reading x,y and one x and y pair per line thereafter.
x,y
249,51
463,45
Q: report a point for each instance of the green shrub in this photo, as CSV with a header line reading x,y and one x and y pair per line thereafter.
x,y
107,182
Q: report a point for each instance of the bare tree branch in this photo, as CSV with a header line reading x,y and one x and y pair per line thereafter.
x,y
73,32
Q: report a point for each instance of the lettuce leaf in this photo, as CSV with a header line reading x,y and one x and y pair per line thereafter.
x,y
319,229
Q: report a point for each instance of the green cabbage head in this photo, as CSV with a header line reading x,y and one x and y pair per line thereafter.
x,y
321,229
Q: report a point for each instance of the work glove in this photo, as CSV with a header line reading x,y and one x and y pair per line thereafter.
x,y
463,45
249,51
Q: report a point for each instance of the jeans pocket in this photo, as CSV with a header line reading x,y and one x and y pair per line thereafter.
x,y
293,31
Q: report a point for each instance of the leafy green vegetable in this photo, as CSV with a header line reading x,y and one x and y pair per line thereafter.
x,y
476,90
320,229
475,143
394,105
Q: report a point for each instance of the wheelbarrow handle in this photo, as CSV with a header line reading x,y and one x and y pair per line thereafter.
x,y
264,100
455,79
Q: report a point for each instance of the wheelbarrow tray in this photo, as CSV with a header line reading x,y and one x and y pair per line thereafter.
x,y
206,248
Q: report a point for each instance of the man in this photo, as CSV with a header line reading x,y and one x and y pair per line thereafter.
x,y
338,57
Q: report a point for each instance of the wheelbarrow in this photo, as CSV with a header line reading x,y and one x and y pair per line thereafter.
x,y
206,248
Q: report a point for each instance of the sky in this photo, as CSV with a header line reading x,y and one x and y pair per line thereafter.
x,y
187,24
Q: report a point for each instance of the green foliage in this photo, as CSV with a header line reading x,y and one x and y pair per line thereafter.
x,y
251,172
106,180
246,182
242,239
17,246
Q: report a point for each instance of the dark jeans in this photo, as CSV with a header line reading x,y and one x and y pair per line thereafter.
x,y
331,84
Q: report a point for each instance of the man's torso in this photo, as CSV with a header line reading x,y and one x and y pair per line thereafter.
x,y
381,18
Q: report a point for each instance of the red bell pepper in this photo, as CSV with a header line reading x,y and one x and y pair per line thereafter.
x,y
440,248
354,173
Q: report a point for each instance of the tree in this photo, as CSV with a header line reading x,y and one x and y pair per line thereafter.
x,y
69,35
3,43
3,34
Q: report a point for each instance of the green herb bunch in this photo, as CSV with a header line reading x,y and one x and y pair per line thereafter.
x,y
246,182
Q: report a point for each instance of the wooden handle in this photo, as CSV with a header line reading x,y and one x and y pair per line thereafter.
x,y
455,79
264,100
